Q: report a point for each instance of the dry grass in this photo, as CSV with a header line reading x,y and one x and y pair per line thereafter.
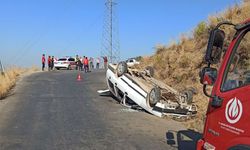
x,y
179,64
8,80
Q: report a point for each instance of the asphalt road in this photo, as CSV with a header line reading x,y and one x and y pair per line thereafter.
x,y
54,111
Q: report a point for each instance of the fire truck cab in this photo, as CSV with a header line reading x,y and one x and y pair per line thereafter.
x,y
227,123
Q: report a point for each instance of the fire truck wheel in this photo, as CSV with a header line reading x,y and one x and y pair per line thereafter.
x,y
154,96
122,68
150,71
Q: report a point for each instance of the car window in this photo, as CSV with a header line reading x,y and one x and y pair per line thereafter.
x,y
131,60
238,71
62,59
71,59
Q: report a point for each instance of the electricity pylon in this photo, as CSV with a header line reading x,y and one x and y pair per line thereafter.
x,y
110,35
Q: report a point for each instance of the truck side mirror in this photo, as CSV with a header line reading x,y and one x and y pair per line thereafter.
x,y
214,46
208,76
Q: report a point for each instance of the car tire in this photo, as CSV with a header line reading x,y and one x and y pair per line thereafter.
x,y
194,90
188,95
69,67
150,71
57,68
122,68
154,96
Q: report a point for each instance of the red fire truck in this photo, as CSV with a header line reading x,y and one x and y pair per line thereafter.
x,y
227,123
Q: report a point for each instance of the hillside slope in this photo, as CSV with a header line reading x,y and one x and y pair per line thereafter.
x,y
178,64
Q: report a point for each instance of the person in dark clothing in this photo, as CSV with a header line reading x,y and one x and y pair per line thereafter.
x,y
76,61
52,63
79,63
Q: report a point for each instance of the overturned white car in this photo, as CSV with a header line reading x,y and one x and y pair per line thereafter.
x,y
130,85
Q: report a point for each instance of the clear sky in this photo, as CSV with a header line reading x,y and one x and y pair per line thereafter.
x,y
29,28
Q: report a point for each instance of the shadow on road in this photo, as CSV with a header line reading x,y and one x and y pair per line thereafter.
x,y
183,139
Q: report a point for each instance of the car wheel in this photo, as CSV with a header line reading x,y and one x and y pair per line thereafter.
x,y
57,68
122,68
194,90
154,96
68,68
150,71
188,94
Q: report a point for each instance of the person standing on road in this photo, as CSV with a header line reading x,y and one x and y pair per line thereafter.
x,y
81,64
49,63
83,60
77,61
52,63
86,64
43,62
105,60
97,62
90,63
92,59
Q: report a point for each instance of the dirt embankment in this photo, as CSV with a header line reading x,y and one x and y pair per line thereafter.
x,y
178,64
9,78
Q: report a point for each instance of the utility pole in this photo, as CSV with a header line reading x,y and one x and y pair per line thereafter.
x,y
1,68
111,29
110,42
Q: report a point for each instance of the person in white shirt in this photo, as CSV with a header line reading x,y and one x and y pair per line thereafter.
x,y
97,62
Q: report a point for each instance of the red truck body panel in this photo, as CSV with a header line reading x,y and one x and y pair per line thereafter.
x,y
228,125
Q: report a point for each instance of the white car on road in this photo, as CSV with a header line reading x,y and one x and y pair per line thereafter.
x,y
66,63
131,62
